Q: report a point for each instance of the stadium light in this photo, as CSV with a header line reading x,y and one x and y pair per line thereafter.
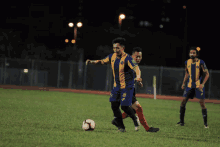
x,y
73,41
71,24
66,40
122,16
79,24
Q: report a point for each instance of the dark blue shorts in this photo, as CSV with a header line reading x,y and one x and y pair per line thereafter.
x,y
194,92
124,96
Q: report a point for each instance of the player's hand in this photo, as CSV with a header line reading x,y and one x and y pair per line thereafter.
x,y
201,87
139,81
140,84
88,61
183,86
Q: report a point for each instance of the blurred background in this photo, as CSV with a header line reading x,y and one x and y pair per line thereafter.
x,y
53,41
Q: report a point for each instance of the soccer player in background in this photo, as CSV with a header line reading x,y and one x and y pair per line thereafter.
x,y
122,65
137,56
195,70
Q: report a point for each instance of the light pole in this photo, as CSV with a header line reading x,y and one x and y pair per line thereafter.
x,y
120,18
185,34
78,25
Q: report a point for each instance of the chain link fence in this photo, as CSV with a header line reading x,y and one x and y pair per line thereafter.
x,y
76,75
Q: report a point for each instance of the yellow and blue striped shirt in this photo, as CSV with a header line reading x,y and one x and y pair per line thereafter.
x,y
196,72
122,69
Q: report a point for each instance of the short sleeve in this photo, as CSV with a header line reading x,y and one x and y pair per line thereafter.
x,y
131,62
203,65
186,70
107,59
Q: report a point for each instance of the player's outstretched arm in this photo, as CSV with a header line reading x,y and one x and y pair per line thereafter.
x,y
92,62
103,61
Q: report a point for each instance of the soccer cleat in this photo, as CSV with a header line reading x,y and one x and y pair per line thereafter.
x,y
121,130
137,128
179,123
114,122
151,129
206,126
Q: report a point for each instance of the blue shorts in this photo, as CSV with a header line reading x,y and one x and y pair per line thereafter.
x,y
194,92
124,96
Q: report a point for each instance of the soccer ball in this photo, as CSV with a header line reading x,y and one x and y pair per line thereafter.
x,y
88,125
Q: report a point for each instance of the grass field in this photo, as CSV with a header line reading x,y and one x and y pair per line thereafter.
x,y
54,119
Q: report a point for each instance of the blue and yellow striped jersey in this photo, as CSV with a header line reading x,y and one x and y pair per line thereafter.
x,y
196,72
122,69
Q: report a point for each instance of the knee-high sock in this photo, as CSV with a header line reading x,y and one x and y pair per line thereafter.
x,y
142,119
204,113
182,113
124,115
117,113
130,112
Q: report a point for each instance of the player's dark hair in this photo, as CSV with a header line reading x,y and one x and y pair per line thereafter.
x,y
136,49
194,48
119,40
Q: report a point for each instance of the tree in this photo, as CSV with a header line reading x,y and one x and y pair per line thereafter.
x,y
103,51
10,39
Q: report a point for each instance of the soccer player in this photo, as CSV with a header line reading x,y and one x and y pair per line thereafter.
x,y
195,69
137,56
122,65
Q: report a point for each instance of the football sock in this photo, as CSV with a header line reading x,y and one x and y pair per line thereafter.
x,y
142,118
134,111
204,113
117,113
130,112
182,114
124,115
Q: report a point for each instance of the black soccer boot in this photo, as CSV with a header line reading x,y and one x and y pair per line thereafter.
x,y
152,129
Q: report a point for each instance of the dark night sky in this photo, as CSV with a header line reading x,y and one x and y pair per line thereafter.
x,y
202,20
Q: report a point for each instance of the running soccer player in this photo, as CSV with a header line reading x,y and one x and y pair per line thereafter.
x,y
195,69
137,56
122,65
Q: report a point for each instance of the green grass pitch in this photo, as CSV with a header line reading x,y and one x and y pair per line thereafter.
x,y
54,119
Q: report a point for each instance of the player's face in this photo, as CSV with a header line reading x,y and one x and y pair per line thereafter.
x,y
192,54
118,49
137,56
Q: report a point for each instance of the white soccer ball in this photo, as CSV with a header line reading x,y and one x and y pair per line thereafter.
x,y
88,125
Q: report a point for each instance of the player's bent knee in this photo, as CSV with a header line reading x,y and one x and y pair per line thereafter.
x,y
134,106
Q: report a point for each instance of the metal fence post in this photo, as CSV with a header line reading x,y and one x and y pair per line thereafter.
x,y
107,79
110,77
71,75
160,83
58,78
2,73
5,71
32,72
36,74
84,78
210,83
21,77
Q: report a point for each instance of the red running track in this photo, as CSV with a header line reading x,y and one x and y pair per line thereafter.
x,y
165,97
